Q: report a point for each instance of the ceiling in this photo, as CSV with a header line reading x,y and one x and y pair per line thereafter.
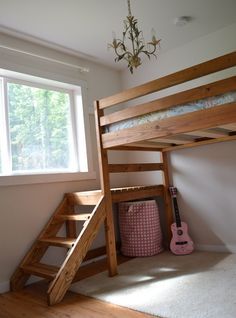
x,y
85,26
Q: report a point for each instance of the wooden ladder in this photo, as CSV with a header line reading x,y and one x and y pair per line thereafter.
x,y
61,277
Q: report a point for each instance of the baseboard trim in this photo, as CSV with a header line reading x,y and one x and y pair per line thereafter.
x,y
99,253
4,287
216,248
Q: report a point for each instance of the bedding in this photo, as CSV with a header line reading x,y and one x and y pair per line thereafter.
x,y
199,104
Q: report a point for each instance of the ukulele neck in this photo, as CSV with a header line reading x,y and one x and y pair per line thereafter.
x,y
176,210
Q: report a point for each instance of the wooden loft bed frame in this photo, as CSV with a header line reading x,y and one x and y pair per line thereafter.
x,y
207,126
176,125
192,129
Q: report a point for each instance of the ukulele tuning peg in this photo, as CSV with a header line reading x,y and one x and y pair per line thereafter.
x,y
173,190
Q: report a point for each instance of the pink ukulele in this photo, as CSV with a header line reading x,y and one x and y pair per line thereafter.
x,y
181,243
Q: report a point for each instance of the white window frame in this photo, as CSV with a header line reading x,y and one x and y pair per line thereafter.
x,y
80,131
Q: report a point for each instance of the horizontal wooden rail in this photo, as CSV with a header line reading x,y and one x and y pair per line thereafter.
x,y
204,91
116,168
197,120
145,146
190,73
141,193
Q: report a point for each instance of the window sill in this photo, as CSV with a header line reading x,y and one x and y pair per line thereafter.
x,y
46,178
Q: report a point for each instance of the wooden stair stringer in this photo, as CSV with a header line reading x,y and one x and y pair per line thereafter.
x,y
37,250
69,268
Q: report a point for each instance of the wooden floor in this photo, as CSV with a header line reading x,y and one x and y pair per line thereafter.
x,y
31,302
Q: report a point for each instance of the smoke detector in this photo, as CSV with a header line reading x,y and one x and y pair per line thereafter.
x,y
181,21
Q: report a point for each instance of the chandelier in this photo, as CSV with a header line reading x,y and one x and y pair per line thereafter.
x,y
131,51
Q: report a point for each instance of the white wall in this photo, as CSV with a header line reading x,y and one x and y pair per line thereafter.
x,y
24,209
205,176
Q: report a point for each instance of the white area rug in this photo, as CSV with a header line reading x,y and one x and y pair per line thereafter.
x,y
200,285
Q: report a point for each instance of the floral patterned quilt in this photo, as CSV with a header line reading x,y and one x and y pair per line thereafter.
x,y
175,111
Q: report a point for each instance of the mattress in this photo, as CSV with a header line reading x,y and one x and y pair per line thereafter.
x,y
199,104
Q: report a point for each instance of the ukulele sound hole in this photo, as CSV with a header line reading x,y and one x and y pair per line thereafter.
x,y
179,232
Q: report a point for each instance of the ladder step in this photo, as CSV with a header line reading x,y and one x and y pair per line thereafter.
x,y
42,270
58,241
73,217
84,197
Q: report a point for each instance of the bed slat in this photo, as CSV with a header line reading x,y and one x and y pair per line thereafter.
x,y
178,140
231,127
200,143
210,133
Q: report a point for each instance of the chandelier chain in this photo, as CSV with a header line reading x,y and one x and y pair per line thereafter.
x,y
129,8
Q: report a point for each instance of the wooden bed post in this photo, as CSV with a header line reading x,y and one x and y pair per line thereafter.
x,y
106,190
167,198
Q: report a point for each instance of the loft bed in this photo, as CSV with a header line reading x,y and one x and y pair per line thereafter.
x,y
199,115
170,128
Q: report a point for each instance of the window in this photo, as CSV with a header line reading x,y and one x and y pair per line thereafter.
x,y
42,128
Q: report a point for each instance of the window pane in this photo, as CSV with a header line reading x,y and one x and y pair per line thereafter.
x,y
0,158
40,128
1,120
